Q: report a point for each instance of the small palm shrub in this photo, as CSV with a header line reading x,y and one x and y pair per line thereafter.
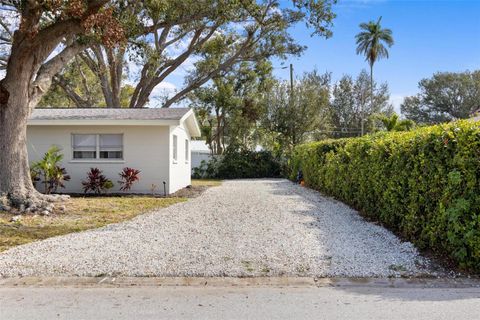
x,y
96,182
128,177
424,184
49,169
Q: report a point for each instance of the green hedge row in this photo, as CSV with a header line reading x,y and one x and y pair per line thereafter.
x,y
423,184
240,165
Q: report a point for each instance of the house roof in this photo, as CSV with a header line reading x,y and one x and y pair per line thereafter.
x,y
116,116
200,146
109,114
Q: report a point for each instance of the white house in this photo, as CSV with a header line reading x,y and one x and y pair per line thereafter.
x,y
154,141
200,152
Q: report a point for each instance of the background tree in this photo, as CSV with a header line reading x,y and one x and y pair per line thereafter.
x,y
230,108
77,86
370,43
349,105
35,55
293,117
444,97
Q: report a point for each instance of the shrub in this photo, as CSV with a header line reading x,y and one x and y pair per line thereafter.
x,y
49,169
96,182
207,169
240,164
128,177
423,184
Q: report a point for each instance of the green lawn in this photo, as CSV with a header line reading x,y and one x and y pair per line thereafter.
x,y
206,182
80,214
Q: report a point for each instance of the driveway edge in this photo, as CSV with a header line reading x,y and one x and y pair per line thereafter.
x,y
99,282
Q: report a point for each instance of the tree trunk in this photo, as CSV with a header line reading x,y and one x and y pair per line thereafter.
x,y
15,182
371,86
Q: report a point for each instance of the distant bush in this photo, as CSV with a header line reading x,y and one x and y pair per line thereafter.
x,y
206,169
128,177
96,182
238,165
424,184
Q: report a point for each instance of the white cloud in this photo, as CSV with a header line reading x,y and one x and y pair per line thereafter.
x,y
160,92
396,100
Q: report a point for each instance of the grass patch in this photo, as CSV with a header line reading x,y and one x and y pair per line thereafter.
x,y
80,214
206,182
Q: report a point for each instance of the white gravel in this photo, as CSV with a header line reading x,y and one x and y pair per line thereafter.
x,y
266,227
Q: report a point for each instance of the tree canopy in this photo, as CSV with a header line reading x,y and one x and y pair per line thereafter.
x,y
444,97
205,37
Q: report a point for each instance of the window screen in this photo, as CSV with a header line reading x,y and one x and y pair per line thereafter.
x,y
97,146
111,146
84,146
175,147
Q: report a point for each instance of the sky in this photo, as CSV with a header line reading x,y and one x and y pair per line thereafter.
x,y
430,36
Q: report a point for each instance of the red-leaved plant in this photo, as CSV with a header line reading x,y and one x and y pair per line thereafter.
x,y
128,177
96,182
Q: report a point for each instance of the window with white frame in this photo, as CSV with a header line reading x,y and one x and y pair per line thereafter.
x,y
187,151
175,148
111,146
97,146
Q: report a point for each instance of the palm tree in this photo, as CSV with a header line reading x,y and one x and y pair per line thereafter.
x,y
370,43
394,123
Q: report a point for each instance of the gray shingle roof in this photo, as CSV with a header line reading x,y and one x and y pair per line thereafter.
x,y
109,114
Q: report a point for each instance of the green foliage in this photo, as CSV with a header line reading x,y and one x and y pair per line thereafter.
x,y
444,97
240,165
393,123
50,171
371,40
424,184
96,182
206,169
231,106
292,117
351,101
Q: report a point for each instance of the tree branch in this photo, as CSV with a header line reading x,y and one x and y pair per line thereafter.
x,y
43,79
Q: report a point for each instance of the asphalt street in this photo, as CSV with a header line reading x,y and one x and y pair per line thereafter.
x,y
238,302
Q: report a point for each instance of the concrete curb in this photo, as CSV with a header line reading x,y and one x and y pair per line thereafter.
x,y
301,282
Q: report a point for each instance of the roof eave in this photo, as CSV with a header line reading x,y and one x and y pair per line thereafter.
x,y
101,122
192,123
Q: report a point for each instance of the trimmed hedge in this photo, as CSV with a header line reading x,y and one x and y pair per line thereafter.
x,y
240,165
423,184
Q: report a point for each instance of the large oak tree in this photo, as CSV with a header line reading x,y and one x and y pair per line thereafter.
x,y
446,96
50,33
167,35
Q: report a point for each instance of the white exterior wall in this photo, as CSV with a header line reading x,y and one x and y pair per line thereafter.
x,y
145,148
198,157
180,170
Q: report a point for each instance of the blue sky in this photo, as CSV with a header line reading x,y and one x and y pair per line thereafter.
x,y
430,36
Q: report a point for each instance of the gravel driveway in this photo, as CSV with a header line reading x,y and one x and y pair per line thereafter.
x,y
266,227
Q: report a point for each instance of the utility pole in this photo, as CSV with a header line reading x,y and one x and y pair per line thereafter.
x,y
291,103
361,120
291,80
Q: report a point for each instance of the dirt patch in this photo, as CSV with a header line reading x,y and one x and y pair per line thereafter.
x,y
190,192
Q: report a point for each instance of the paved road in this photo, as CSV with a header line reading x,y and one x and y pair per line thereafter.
x,y
238,303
